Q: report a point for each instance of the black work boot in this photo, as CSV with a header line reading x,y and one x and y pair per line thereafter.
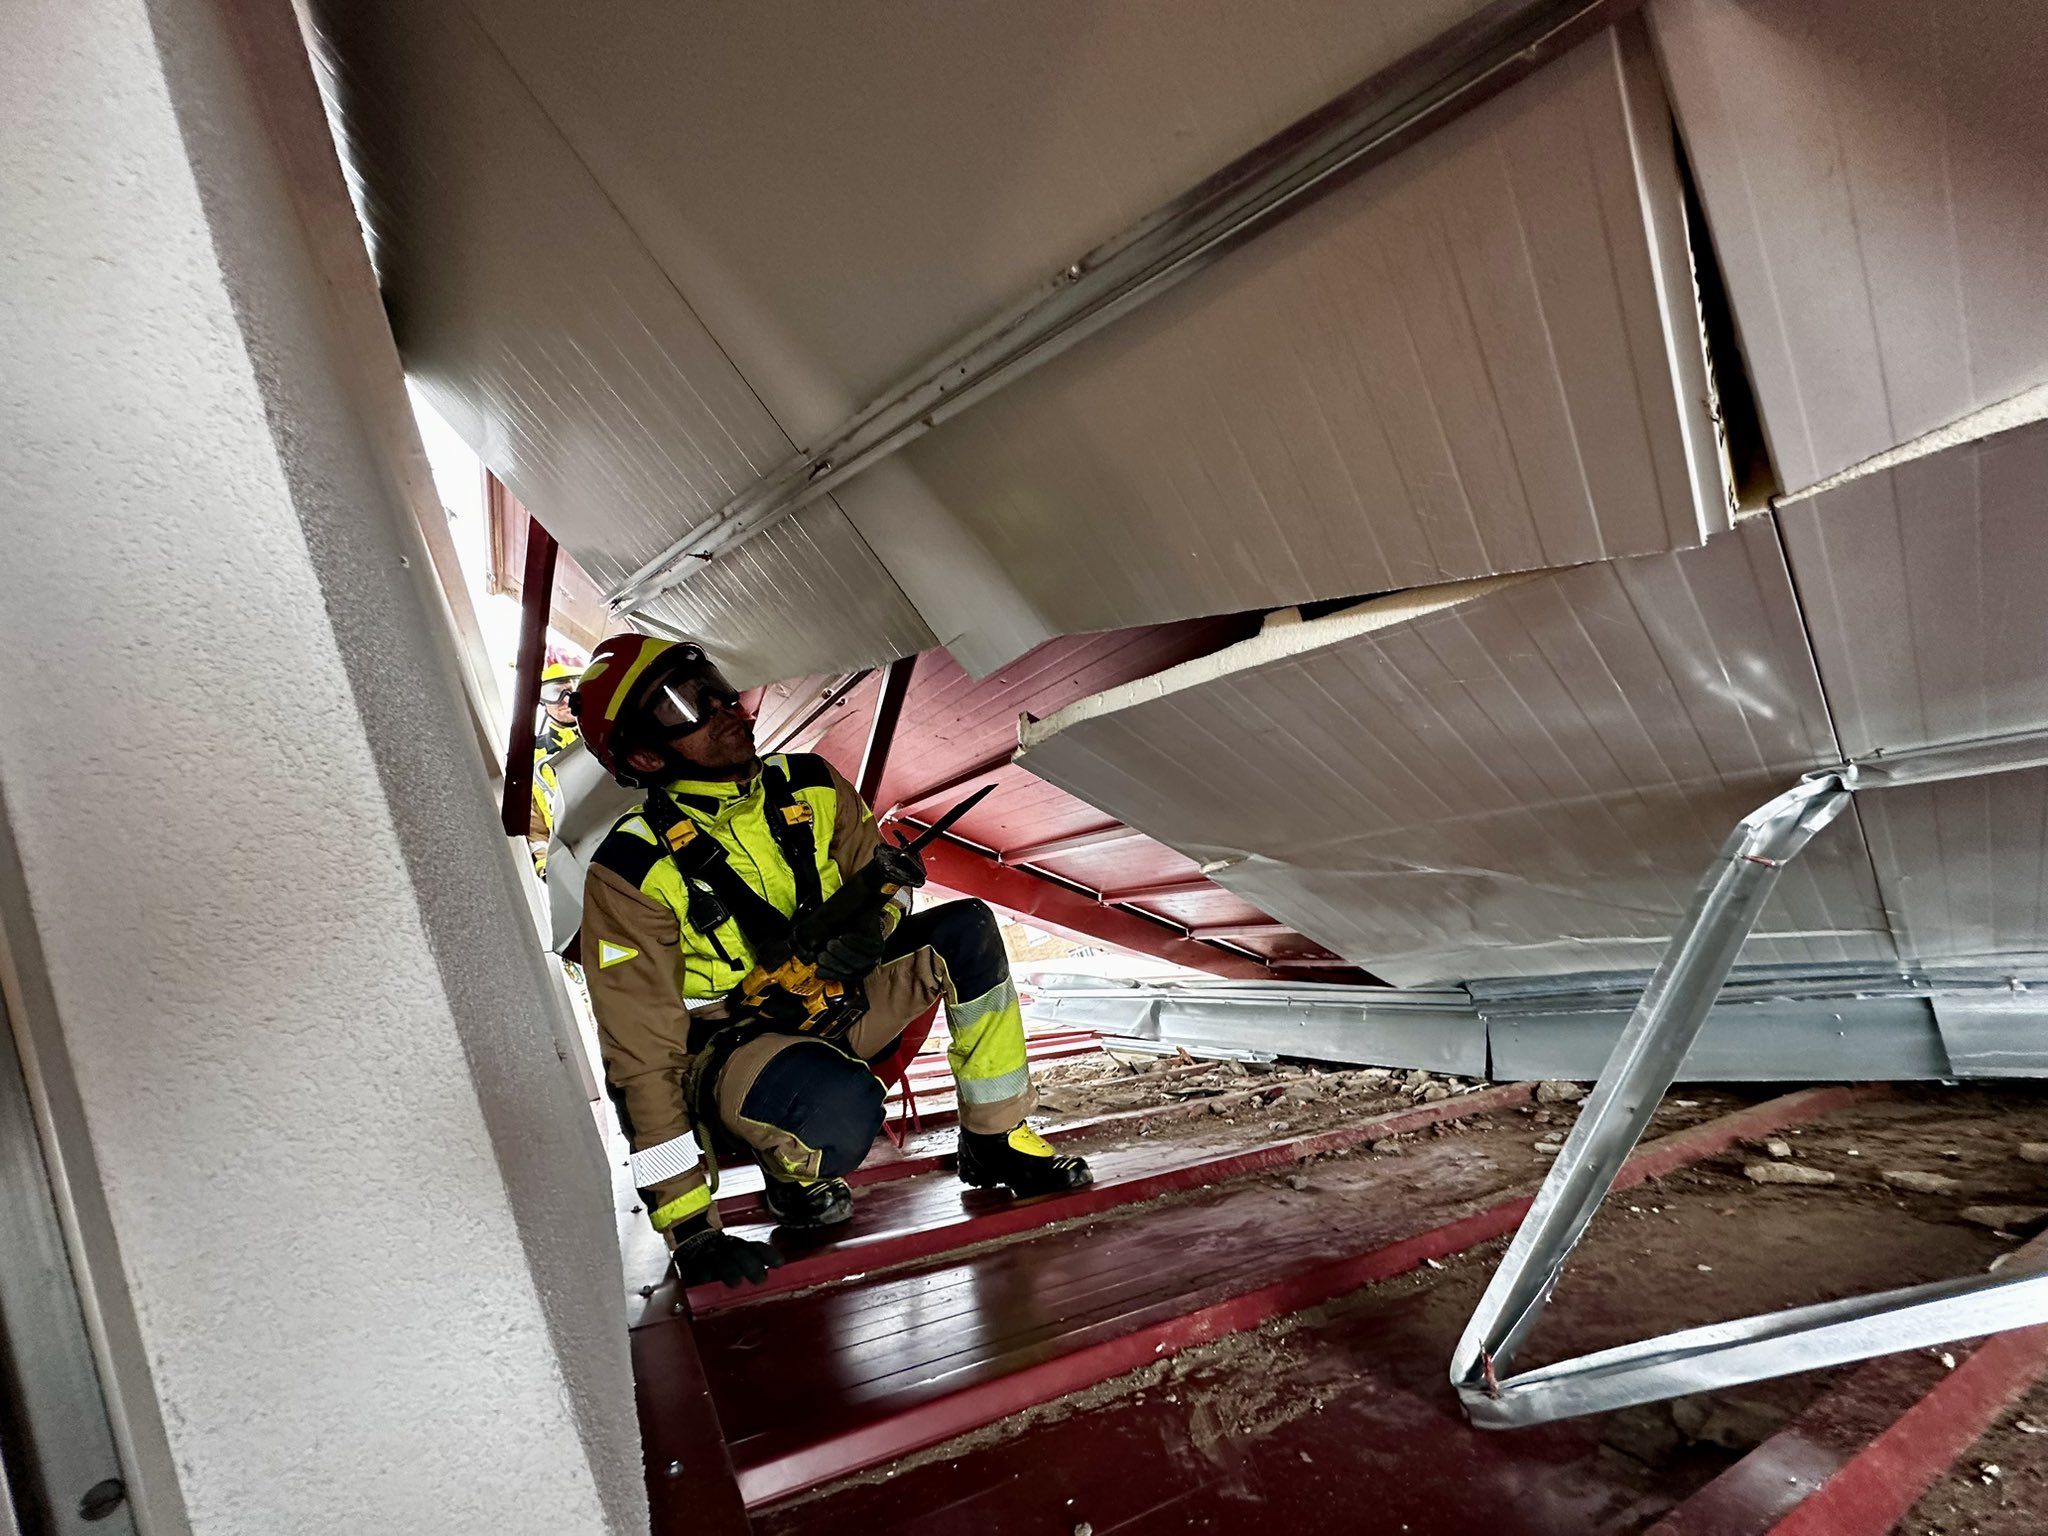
x,y
1022,1160
808,1204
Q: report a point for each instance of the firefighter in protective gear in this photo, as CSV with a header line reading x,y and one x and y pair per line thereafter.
x,y
660,932
556,733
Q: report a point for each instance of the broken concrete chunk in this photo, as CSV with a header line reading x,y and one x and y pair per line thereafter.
x,y
1559,1093
2034,1151
1778,1148
1921,1183
1299,1093
1434,1093
2003,1218
1297,1181
1786,1173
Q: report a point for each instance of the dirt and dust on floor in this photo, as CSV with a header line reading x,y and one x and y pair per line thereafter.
x,y
1925,1184
1266,1099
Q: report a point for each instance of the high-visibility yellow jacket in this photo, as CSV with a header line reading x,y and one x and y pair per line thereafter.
x,y
642,957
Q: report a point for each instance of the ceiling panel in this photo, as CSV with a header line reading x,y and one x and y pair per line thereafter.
x,y
1480,357
1926,590
844,186
1875,174
1964,868
534,319
1527,782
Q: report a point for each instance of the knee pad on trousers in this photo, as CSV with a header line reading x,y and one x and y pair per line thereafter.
x,y
969,939
824,1099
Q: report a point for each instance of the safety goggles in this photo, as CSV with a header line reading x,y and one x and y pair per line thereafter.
x,y
687,691
558,691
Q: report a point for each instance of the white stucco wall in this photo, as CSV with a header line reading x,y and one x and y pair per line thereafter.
x,y
359,1208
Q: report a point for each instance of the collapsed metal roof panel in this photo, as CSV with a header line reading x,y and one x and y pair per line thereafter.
x,y
1925,589
1875,174
535,320
844,188
1523,777
1482,356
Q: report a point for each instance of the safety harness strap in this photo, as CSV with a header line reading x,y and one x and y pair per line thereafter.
x,y
717,890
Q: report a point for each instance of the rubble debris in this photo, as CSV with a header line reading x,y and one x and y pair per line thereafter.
x,y
2003,1218
1778,1148
1435,1092
1554,1092
1785,1173
1297,1181
2034,1151
1921,1183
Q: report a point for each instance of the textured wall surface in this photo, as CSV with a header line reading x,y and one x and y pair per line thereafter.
x,y
360,1210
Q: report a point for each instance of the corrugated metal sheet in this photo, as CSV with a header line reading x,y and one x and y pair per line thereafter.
x,y
1925,589
1964,868
843,188
1528,782
1481,357
1875,174
536,321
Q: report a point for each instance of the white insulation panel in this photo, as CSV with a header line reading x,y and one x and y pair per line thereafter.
x,y
1481,357
1925,590
535,320
1526,782
1875,175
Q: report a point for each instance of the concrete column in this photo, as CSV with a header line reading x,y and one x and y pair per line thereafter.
x,y
338,1204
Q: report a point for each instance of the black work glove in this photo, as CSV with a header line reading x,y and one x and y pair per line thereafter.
x,y
709,1254
851,953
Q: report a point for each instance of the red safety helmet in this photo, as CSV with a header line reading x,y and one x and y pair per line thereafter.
x,y
641,691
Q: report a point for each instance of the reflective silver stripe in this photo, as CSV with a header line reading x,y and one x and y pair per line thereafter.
x,y
993,1090
655,1164
961,1017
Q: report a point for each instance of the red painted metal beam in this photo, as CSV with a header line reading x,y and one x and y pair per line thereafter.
x,y
855,1256
1073,842
1187,885
933,1420
874,757
954,784
1856,1461
1054,905
536,598
681,1443
786,737
1245,930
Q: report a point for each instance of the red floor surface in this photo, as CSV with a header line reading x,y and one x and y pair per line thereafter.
x,y
1374,1459
872,1350
917,1218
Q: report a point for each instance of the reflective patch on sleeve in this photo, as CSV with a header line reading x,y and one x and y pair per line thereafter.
x,y
653,1165
610,954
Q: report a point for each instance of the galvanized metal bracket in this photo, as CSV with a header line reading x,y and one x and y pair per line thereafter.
x,y
1643,1065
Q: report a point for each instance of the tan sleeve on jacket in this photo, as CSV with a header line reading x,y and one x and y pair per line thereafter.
x,y
641,1021
854,834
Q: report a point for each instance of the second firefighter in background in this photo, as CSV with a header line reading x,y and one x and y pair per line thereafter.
x,y
666,940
